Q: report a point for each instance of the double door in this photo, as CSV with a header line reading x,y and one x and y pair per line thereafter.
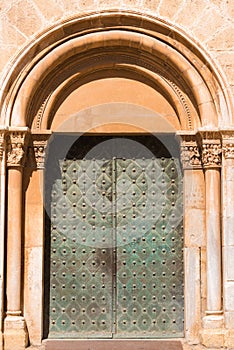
x,y
116,263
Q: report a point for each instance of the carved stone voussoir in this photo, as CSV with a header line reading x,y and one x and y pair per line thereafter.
x,y
16,147
211,153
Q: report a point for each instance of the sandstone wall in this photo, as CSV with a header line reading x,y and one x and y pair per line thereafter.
x,y
209,22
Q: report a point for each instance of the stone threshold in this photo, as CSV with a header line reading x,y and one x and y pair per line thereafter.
x,y
112,344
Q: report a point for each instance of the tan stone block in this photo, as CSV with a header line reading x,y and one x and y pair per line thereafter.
x,y
107,4
230,8
52,11
170,8
34,211
71,6
192,293
229,296
194,214
223,39
213,339
194,227
229,339
209,22
226,60
15,333
228,253
151,5
33,305
6,52
191,11
24,16
213,322
229,319
203,278
87,4
9,35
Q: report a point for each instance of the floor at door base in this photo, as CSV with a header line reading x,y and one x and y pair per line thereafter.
x,y
123,344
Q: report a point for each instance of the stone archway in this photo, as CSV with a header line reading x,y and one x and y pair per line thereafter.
x,y
139,49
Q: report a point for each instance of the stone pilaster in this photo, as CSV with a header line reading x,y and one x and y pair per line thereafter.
x,y
194,232
2,227
34,237
213,332
228,237
15,335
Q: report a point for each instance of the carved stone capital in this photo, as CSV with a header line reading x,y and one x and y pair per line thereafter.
x,y
211,148
16,147
190,155
40,153
190,151
228,150
211,153
228,143
40,142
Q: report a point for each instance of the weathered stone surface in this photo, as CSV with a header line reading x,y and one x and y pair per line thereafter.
x,y
213,339
223,39
171,9
226,61
190,12
51,12
229,296
213,20
25,17
229,319
15,335
192,294
33,293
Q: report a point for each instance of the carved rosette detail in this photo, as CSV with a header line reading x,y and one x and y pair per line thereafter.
x,y
16,147
190,155
211,153
40,153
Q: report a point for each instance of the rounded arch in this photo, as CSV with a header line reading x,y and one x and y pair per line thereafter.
x,y
119,44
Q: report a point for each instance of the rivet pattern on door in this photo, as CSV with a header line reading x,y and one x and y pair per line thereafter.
x,y
116,267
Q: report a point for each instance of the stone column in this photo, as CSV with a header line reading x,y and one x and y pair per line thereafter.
x,y
213,335
34,238
15,335
2,227
194,233
228,236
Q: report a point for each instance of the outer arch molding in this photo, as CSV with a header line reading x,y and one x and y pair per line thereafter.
x,y
81,38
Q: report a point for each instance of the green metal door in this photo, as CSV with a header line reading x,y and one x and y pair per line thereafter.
x,y
116,264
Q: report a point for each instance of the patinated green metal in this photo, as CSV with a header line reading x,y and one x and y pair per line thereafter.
x,y
116,262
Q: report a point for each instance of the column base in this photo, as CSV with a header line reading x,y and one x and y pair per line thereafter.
x,y
15,333
1,341
213,333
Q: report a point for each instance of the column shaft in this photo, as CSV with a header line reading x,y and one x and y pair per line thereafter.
x,y
212,176
14,240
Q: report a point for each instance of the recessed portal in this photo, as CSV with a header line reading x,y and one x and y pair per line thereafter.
x,y
114,238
